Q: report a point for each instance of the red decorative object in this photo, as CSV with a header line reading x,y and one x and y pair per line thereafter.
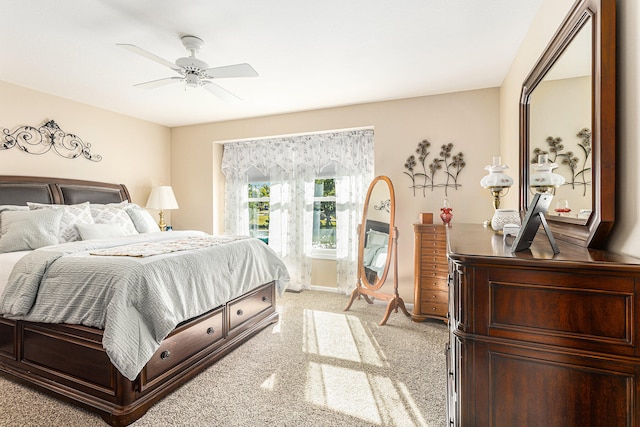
x,y
446,215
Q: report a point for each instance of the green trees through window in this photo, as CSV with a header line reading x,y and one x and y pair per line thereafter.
x,y
324,212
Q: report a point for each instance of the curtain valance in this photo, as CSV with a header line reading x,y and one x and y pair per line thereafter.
x,y
349,150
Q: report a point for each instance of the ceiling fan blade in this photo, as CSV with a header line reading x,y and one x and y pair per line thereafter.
x,y
158,83
139,51
237,70
219,91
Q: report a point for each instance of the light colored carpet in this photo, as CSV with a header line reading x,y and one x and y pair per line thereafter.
x,y
319,366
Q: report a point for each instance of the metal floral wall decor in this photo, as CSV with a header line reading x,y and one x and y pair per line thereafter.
x,y
49,136
579,166
385,205
441,172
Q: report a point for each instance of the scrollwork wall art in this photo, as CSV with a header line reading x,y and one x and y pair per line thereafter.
x,y
428,177
49,136
579,168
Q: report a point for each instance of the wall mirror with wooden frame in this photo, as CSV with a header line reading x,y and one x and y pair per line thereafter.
x,y
377,248
568,111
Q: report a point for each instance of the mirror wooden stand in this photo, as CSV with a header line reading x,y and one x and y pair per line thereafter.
x,y
377,247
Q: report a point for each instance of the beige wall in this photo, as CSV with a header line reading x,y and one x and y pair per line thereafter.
x,y
626,233
134,152
467,119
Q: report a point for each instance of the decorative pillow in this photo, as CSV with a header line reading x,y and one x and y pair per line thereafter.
x,y
114,213
142,219
100,231
71,216
23,230
13,208
377,238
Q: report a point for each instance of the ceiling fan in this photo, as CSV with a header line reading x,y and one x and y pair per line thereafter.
x,y
193,71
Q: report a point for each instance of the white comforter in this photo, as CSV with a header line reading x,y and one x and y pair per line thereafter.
x,y
137,301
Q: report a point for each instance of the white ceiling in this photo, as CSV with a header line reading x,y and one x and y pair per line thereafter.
x,y
309,54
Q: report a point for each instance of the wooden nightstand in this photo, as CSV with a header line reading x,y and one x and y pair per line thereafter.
x,y
431,272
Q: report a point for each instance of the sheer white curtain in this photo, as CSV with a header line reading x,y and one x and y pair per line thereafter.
x,y
291,165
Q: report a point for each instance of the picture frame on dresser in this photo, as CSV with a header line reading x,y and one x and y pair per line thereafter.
x,y
534,218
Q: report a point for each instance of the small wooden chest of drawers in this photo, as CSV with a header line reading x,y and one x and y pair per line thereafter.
x,y
431,272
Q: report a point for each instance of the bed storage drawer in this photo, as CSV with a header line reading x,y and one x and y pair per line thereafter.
x,y
246,307
8,338
183,343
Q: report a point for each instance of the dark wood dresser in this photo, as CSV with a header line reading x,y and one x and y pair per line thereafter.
x,y
431,298
538,339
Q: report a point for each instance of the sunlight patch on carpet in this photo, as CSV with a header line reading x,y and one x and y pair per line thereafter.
x,y
269,383
338,388
340,336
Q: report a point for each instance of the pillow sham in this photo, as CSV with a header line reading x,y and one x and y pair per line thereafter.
x,y
114,213
71,215
23,230
12,208
142,219
100,231
377,238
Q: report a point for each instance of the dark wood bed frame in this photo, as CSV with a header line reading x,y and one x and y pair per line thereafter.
x,y
69,361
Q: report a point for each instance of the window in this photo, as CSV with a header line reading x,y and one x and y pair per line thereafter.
x,y
324,215
259,210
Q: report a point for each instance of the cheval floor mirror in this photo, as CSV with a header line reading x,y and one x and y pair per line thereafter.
x,y
377,246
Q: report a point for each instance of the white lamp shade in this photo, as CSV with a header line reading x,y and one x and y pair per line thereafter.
x,y
162,197
542,175
496,177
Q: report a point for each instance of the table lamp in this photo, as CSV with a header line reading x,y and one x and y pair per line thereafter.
x,y
162,198
497,182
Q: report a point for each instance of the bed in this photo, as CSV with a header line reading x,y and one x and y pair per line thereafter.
x,y
70,361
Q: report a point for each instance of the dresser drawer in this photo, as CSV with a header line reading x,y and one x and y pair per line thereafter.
x,y
8,338
436,283
438,230
435,309
182,344
248,306
434,296
434,270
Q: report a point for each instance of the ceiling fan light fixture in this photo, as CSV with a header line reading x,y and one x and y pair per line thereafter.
x,y
192,80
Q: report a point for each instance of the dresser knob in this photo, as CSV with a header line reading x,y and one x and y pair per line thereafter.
x,y
239,312
165,354
264,299
210,331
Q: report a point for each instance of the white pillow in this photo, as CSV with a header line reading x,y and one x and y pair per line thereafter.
x,y
100,231
377,238
13,208
142,219
113,213
71,216
23,230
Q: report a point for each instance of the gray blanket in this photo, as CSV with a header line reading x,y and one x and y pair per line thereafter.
x,y
137,301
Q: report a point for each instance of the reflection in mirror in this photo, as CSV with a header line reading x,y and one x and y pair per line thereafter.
x,y
376,255
568,111
377,247
560,117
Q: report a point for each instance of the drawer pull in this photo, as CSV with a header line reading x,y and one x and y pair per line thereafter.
x,y
210,331
264,299
165,355
239,312
434,308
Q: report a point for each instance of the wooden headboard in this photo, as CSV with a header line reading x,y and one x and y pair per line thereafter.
x,y
18,190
